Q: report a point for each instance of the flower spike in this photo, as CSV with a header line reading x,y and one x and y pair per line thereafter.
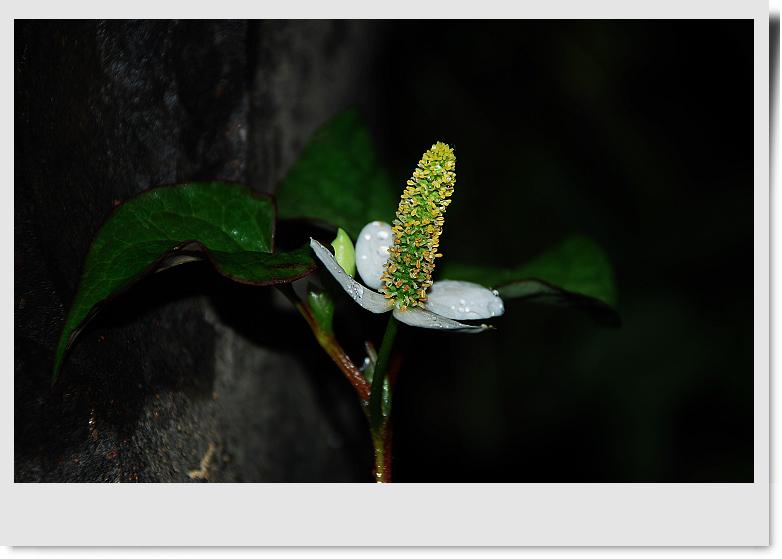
x,y
417,228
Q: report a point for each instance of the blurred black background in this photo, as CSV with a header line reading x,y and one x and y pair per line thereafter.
x,y
636,133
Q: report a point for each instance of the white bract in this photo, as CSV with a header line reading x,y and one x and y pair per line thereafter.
x,y
372,245
447,301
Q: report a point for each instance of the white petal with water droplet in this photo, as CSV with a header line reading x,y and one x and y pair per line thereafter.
x,y
370,300
463,300
425,319
372,252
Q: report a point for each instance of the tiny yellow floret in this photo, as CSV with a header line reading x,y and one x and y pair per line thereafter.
x,y
418,226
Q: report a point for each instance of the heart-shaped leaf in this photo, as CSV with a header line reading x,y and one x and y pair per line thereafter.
x,y
576,271
337,179
228,224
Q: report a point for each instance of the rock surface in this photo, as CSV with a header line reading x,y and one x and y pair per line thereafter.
x,y
179,381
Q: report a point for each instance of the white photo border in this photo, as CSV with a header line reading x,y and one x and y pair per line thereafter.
x,y
408,514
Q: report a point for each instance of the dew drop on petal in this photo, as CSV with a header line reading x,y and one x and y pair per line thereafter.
x,y
358,290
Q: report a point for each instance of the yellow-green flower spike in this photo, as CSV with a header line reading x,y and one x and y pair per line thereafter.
x,y
417,228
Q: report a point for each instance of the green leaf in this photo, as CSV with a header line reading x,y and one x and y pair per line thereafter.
x,y
322,307
575,271
338,179
228,224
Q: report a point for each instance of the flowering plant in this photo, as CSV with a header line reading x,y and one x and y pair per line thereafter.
x,y
338,182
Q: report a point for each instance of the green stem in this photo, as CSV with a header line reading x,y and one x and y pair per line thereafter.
x,y
381,442
376,419
379,424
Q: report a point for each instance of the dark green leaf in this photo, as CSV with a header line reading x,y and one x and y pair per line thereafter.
x,y
226,223
337,179
575,271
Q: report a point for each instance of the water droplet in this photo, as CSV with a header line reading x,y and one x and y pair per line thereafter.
x,y
354,290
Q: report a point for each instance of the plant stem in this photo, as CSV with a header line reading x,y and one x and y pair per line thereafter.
x,y
376,419
371,398
330,344
379,423
381,442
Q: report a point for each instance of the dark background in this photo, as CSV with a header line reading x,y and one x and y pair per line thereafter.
x,y
638,134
